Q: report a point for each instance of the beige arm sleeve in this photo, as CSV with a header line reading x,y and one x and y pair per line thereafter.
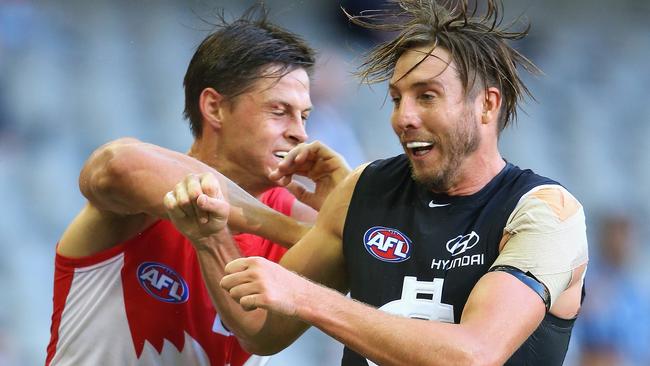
x,y
546,236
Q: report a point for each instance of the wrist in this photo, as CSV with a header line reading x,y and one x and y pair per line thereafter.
x,y
312,301
212,241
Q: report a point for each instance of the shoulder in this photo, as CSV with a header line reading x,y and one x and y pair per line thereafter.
x,y
546,232
352,179
545,208
395,163
336,205
383,174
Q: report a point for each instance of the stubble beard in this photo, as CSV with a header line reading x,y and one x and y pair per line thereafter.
x,y
457,145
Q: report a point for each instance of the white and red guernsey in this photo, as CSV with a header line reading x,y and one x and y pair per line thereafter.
x,y
144,302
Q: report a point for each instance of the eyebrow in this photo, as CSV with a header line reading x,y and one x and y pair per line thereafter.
x,y
287,105
419,84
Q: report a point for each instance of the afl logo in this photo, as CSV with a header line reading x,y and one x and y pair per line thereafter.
x,y
386,244
162,282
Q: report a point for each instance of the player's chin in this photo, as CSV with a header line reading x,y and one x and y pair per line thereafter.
x,y
425,170
424,162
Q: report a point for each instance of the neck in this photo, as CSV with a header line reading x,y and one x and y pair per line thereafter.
x,y
476,172
209,154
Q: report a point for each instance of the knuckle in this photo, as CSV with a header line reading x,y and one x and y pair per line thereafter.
x,y
178,187
183,202
204,177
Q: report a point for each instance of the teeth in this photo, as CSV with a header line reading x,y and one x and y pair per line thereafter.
x,y
418,144
281,154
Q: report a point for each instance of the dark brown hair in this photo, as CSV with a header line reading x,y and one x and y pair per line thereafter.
x,y
477,44
236,55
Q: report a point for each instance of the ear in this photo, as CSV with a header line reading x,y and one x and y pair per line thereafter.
x,y
491,105
212,104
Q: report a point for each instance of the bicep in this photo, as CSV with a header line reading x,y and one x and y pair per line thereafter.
x,y
546,236
303,213
94,230
502,312
319,257
319,254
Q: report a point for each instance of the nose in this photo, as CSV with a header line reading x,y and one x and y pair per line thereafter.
x,y
404,116
296,130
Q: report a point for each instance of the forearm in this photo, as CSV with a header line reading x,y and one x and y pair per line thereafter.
x,y
388,339
131,177
213,254
258,331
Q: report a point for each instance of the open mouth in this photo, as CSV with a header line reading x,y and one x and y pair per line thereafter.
x,y
419,148
280,154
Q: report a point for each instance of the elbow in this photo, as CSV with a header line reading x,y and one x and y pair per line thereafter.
x,y
470,353
106,168
483,356
261,348
257,349
265,344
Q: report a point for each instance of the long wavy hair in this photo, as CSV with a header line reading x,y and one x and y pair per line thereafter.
x,y
478,45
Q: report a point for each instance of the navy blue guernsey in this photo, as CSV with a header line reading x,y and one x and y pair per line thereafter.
x,y
416,253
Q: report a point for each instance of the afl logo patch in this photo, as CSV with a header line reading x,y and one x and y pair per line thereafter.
x,y
386,244
162,282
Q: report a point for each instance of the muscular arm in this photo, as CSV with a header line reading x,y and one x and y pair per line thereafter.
x,y
130,177
317,256
499,315
545,235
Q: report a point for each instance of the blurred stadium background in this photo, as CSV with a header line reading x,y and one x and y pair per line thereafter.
x,y
75,74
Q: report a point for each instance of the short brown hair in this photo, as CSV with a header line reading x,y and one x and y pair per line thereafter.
x,y
236,55
477,44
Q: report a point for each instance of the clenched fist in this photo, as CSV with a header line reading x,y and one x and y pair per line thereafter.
x,y
197,207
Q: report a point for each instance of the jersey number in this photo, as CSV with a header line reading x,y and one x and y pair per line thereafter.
x,y
420,300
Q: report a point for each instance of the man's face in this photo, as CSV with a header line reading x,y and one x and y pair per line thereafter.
x,y
261,126
433,118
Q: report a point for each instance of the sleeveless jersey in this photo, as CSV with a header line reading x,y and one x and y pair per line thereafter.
x,y
418,254
144,302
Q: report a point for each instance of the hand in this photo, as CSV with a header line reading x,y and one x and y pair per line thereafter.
x,y
197,207
255,282
317,162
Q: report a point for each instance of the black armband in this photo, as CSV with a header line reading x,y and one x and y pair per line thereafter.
x,y
529,280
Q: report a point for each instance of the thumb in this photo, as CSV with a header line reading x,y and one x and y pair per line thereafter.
x,y
210,185
297,189
302,194
218,208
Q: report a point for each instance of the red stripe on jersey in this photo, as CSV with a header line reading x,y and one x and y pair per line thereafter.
x,y
62,282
